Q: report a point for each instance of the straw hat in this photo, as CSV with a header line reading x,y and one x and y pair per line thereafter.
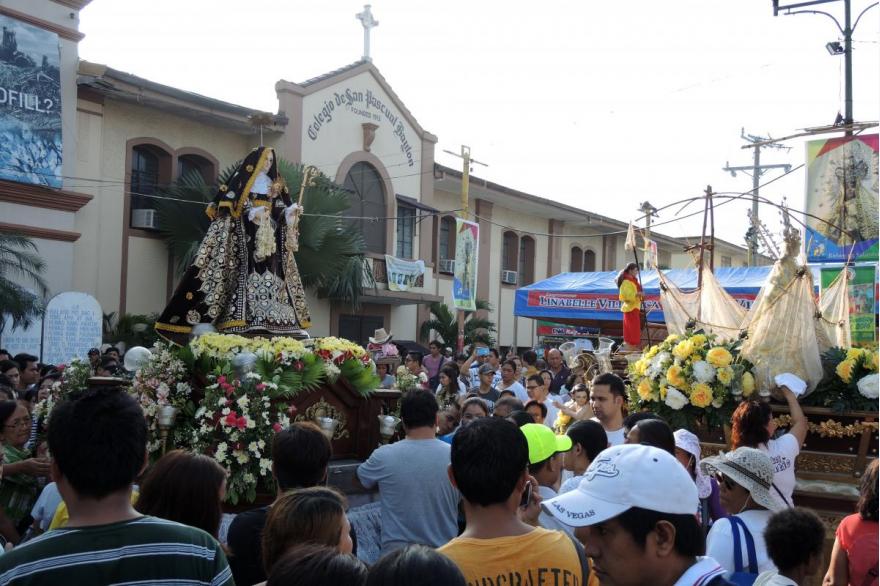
x,y
751,469
690,443
380,336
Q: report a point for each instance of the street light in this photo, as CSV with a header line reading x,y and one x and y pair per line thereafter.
x,y
835,48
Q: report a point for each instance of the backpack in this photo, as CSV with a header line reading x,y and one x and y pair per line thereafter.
x,y
739,576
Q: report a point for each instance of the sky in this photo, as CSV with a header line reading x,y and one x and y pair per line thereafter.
x,y
600,105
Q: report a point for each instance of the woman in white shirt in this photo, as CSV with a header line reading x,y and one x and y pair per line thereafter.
x,y
745,477
753,426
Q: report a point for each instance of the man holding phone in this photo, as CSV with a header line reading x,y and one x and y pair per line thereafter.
x,y
489,466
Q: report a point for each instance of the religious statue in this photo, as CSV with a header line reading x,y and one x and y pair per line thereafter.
x,y
244,279
631,296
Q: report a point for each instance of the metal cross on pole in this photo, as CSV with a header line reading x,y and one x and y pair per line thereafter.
x,y
368,22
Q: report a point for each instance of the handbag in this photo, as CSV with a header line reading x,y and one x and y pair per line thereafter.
x,y
739,576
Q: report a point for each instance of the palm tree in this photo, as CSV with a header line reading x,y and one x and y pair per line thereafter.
x,y
331,251
444,322
20,263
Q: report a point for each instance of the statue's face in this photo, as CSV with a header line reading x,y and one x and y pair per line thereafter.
x,y
269,160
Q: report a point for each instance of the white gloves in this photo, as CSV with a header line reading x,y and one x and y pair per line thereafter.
x,y
291,212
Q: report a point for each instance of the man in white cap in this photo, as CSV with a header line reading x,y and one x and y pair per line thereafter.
x,y
634,511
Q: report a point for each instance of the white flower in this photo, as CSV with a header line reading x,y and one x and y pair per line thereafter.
x,y
253,448
221,402
261,444
248,478
718,402
222,446
868,386
703,371
675,398
253,376
332,371
251,423
241,457
225,411
243,402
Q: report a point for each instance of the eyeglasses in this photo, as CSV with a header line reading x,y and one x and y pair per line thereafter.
x,y
727,482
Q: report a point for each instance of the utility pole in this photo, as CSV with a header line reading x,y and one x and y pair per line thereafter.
x,y
756,170
834,47
463,213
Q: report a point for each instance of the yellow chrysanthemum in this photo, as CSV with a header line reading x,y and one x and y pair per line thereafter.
x,y
854,353
662,392
683,349
748,384
675,378
701,395
671,338
645,391
724,375
652,352
641,367
845,370
699,340
719,357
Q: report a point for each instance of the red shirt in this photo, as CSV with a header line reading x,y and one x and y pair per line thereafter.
x,y
858,538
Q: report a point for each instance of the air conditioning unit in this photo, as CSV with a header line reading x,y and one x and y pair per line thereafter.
x,y
447,265
147,219
508,277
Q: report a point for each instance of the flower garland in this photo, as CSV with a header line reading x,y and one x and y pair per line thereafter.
x,y
690,377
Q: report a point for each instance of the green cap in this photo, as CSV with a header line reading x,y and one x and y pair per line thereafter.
x,y
543,443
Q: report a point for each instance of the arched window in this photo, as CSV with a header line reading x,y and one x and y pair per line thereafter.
x,y
187,164
589,261
526,261
510,251
150,169
367,201
576,264
446,248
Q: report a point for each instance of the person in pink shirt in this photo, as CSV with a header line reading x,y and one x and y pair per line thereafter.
x,y
854,556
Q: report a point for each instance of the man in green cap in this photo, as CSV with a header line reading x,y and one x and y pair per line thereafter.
x,y
545,465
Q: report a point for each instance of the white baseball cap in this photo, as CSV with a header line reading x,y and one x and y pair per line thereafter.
x,y
623,477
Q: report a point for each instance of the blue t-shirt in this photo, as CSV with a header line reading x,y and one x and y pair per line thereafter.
x,y
419,503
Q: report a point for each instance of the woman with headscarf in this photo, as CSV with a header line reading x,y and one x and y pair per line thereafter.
x,y
244,278
631,304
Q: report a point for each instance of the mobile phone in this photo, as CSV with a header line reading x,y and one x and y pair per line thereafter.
x,y
526,499
482,351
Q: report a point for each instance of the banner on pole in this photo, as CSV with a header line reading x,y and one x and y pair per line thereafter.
x,y
402,274
464,282
650,254
841,199
862,302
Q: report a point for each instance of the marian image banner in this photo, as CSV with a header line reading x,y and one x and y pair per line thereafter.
x,y
30,101
842,191
403,274
464,282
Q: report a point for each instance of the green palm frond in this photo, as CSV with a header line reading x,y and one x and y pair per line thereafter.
x,y
444,322
20,264
330,257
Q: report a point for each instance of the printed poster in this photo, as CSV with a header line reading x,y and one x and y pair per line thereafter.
x,y
403,274
30,102
841,199
464,282
862,302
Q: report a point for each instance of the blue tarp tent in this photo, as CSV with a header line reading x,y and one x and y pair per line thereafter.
x,y
575,297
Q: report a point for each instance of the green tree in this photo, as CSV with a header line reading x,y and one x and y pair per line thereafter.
x,y
445,323
20,264
330,256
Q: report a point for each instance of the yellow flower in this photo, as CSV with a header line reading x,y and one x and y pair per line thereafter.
x,y
699,340
874,361
645,391
683,349
724,375
641,367
701,395
662,392
748,384
854,353
652,351
845,370
671,338
675,378
719,357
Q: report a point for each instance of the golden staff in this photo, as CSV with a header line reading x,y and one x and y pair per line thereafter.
x,y
309,175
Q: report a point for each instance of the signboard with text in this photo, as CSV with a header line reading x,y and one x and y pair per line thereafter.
x,y
71,325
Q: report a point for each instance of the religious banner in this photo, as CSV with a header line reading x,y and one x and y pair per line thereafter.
x,y
30,98
71,325
402,274
841,199
650,254
862,302
464,282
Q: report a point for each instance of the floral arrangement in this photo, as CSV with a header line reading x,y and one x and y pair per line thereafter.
x,y
235,423
850,382
74,379
164,381
407,381
691,377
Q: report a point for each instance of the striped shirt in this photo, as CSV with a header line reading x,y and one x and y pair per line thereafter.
x,y
142,551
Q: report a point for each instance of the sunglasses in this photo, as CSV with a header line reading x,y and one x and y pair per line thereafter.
x,y
727,482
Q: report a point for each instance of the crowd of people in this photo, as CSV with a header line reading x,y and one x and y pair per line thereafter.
x,y
510,471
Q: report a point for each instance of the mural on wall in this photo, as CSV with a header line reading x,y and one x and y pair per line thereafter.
x,y
30,99
842,191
